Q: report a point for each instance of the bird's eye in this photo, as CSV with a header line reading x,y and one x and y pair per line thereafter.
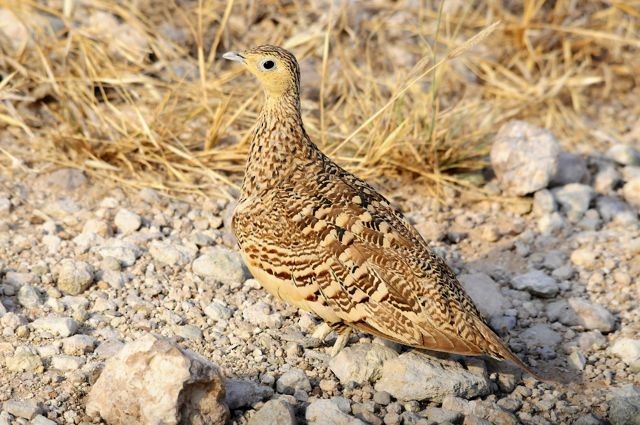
x,y
267,65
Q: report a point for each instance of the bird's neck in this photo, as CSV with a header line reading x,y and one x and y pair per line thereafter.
x,y
279,141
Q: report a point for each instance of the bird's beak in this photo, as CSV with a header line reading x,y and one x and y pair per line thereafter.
x,y
234,56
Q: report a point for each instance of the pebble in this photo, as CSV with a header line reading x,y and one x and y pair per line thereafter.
x,y
24,358
624,154
26,409
220,264
292,380
382,397
574,199
129,386
171,254
572,168
537,283
127,222
259,314
577,360
63,326
361,363
544,203
442,416
126,253
67,363
29,296
485,293
74,277
524,157
580,312
628,350
190,332
606,179
274,412
631,192
584,257
624,407
217,310
540,335
550,223
78,344
328,412
417,376
241,393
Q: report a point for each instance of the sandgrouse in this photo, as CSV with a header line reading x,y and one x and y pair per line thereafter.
x,y
325,241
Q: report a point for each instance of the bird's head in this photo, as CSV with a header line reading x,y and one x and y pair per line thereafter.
x,y
275,67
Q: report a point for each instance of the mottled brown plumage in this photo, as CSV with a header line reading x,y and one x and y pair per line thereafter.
x,y
318,237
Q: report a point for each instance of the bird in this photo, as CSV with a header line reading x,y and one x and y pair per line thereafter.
x,y
321,239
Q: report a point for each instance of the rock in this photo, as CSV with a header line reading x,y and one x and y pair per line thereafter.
x,y
78,344
127,222
628,350
241,393
382,397
572,168
550,223
612,208
41,420
220,264
25,358
580,312
584,257
540,335
171,254
624,154
361,363
63,326
537,283
74,277
190,332
217,310
606,179
153,381
14,30
416,376
631,192
65,363
109,348
29,296
274,412
328,412
624,409
588,419
544,203
485,293
27,409
126,253
574,199
5,206
259,314
292,380
577,360
66,179
17,279
441,416
524,157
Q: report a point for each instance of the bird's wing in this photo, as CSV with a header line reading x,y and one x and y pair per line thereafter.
x,y
360,257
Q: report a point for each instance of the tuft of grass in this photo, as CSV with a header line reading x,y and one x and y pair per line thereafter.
x,y
136,92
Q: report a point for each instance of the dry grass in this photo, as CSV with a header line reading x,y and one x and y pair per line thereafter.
x,y
135,91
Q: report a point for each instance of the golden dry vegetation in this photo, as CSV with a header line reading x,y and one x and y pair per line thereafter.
x,y
136,92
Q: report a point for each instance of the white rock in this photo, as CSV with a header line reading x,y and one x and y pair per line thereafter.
x,y
292,380
17,279
127,221
544,203
485,293
361,363
220,264
25,358
624,154
628,350
241,393
631,192
524,157
87,240
574,199
584,257
328,412
13,28
171,254
550,223
577,360
580,312
126,253
612,208
217,310
417,376
153,381
74,277
29,296
52,242
63,326
259,314
66,363
78,344
5,206
606,179
41,420
537,283
274,412
27,409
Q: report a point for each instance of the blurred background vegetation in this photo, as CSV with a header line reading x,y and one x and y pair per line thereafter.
x,y
135,91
